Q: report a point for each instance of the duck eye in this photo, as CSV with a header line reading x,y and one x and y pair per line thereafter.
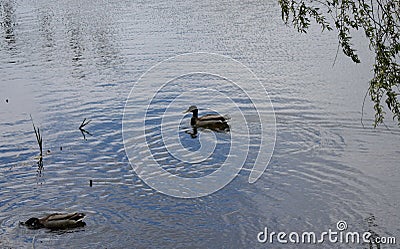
x,y
31,222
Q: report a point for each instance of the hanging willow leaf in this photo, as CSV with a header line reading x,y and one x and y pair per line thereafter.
x,y
380,21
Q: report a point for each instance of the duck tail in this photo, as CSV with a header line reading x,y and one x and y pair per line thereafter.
x,y
78,216
227,117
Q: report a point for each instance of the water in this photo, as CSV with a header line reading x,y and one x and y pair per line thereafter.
x,y
62,62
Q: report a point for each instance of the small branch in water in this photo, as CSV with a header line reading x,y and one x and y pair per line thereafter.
x,y
39,137
39,140
83,131
84,123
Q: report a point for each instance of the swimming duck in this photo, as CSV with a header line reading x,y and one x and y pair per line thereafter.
x,y
214,122
56,221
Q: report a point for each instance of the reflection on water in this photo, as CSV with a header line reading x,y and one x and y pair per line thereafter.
x,y
8,22
64,62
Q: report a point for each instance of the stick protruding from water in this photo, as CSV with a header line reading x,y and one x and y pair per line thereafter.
x,y
39,137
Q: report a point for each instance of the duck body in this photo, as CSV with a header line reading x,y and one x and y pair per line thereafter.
x,y
214,122
56,221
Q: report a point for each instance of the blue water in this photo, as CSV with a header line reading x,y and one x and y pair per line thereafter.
x,y
64,61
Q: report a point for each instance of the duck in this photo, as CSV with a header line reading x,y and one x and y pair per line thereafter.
x,y
213,122
56,221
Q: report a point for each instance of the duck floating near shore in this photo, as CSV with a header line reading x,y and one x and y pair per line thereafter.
x,y
213,122
56,221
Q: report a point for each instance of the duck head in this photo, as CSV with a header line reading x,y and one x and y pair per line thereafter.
x,y
33,223
192,108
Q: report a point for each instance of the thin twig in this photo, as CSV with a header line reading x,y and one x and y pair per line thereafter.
x,y
337,52
39,138
83,131
83,124
362,108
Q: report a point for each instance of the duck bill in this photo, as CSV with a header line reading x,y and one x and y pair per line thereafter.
x,y
187,111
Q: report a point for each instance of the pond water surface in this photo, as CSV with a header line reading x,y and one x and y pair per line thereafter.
x,y
64,61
